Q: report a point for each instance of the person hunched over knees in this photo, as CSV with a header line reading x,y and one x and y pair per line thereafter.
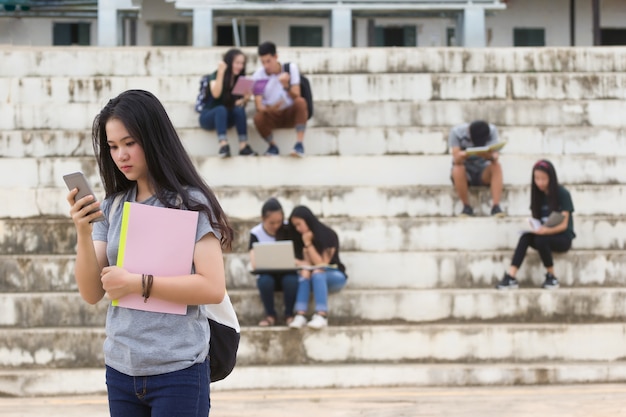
x,y
552,205
271,229
316,246
220,109
478,170
279,103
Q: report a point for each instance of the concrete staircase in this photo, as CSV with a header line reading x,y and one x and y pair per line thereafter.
x,y
419,308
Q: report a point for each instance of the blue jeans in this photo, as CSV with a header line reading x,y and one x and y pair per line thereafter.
x,y
221,119
268,284
323,283
183,393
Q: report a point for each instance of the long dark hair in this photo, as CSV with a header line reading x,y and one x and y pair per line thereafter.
x,y
227,98
323,236
536,195
170,170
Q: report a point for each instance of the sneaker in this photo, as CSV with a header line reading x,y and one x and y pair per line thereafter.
x,y
298,322
551,283
317,322
298,150
247,151
507,283
272,150
467,211
224,151
496,211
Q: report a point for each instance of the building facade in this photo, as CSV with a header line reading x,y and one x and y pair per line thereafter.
x,y
312,23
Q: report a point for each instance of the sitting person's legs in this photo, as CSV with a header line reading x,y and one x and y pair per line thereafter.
x,y
461,185
492,176
237,118
289,283
266,284
265,122
217,119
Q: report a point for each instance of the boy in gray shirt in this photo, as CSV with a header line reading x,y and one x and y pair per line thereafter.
x,y
481,169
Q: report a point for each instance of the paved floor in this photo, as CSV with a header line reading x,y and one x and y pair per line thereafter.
x,y
533,401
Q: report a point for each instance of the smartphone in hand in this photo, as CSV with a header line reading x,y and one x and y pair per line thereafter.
x,y
78,180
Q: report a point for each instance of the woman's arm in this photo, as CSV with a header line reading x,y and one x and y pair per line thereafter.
x,y
206,286
216,85
559,228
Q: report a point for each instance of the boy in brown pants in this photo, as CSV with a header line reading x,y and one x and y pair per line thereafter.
x,y
278,99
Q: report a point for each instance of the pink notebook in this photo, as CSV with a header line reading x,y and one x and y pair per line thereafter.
x,y
157,241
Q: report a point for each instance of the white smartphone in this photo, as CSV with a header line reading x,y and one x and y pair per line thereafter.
x,y
78,180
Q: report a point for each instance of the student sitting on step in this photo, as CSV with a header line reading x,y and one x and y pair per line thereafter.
x,y
477,170
272,228
552,205
220,109
316,245
279,103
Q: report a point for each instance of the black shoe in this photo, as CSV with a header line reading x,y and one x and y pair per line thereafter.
x,y
496,211
507,283
551,283
224,151
467,211
247,151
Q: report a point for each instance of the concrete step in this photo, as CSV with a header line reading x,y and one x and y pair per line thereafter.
x,y
546,113
64,347
331,171
85,381
354,306
343,141
356,202
358,88
57,236
367,270
149,61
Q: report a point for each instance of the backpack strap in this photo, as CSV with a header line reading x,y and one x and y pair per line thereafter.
x,y
287,67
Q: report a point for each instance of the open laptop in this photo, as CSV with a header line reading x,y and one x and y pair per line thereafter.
x,y
274,257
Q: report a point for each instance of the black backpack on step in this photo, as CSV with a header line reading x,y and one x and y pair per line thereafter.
x,y
305,89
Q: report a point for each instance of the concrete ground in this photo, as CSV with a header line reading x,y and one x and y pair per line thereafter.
x,y
545,401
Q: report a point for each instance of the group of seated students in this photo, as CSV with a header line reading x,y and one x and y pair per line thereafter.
x,y
278,100
318,267
552,224
279,104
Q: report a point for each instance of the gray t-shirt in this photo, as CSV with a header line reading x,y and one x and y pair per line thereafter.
x,y
459,137
140,343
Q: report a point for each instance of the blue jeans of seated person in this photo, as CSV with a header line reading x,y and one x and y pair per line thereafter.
x,y
183,393
323,283
221,119
269,283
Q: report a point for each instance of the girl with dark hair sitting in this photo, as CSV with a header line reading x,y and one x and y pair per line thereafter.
x,y
220,109
548,200
272,228
316,245
142,160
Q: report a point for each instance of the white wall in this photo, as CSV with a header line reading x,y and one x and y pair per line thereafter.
x,y
553,15
35,31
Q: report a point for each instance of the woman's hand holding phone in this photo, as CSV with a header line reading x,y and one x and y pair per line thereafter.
x,y
83,211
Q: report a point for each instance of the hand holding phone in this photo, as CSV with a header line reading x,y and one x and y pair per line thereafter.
x,y
79,181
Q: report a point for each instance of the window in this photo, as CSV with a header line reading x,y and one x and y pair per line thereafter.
x,y
64,34
170,34
248,37
613,37
529,37
306,36
451,37
395,36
